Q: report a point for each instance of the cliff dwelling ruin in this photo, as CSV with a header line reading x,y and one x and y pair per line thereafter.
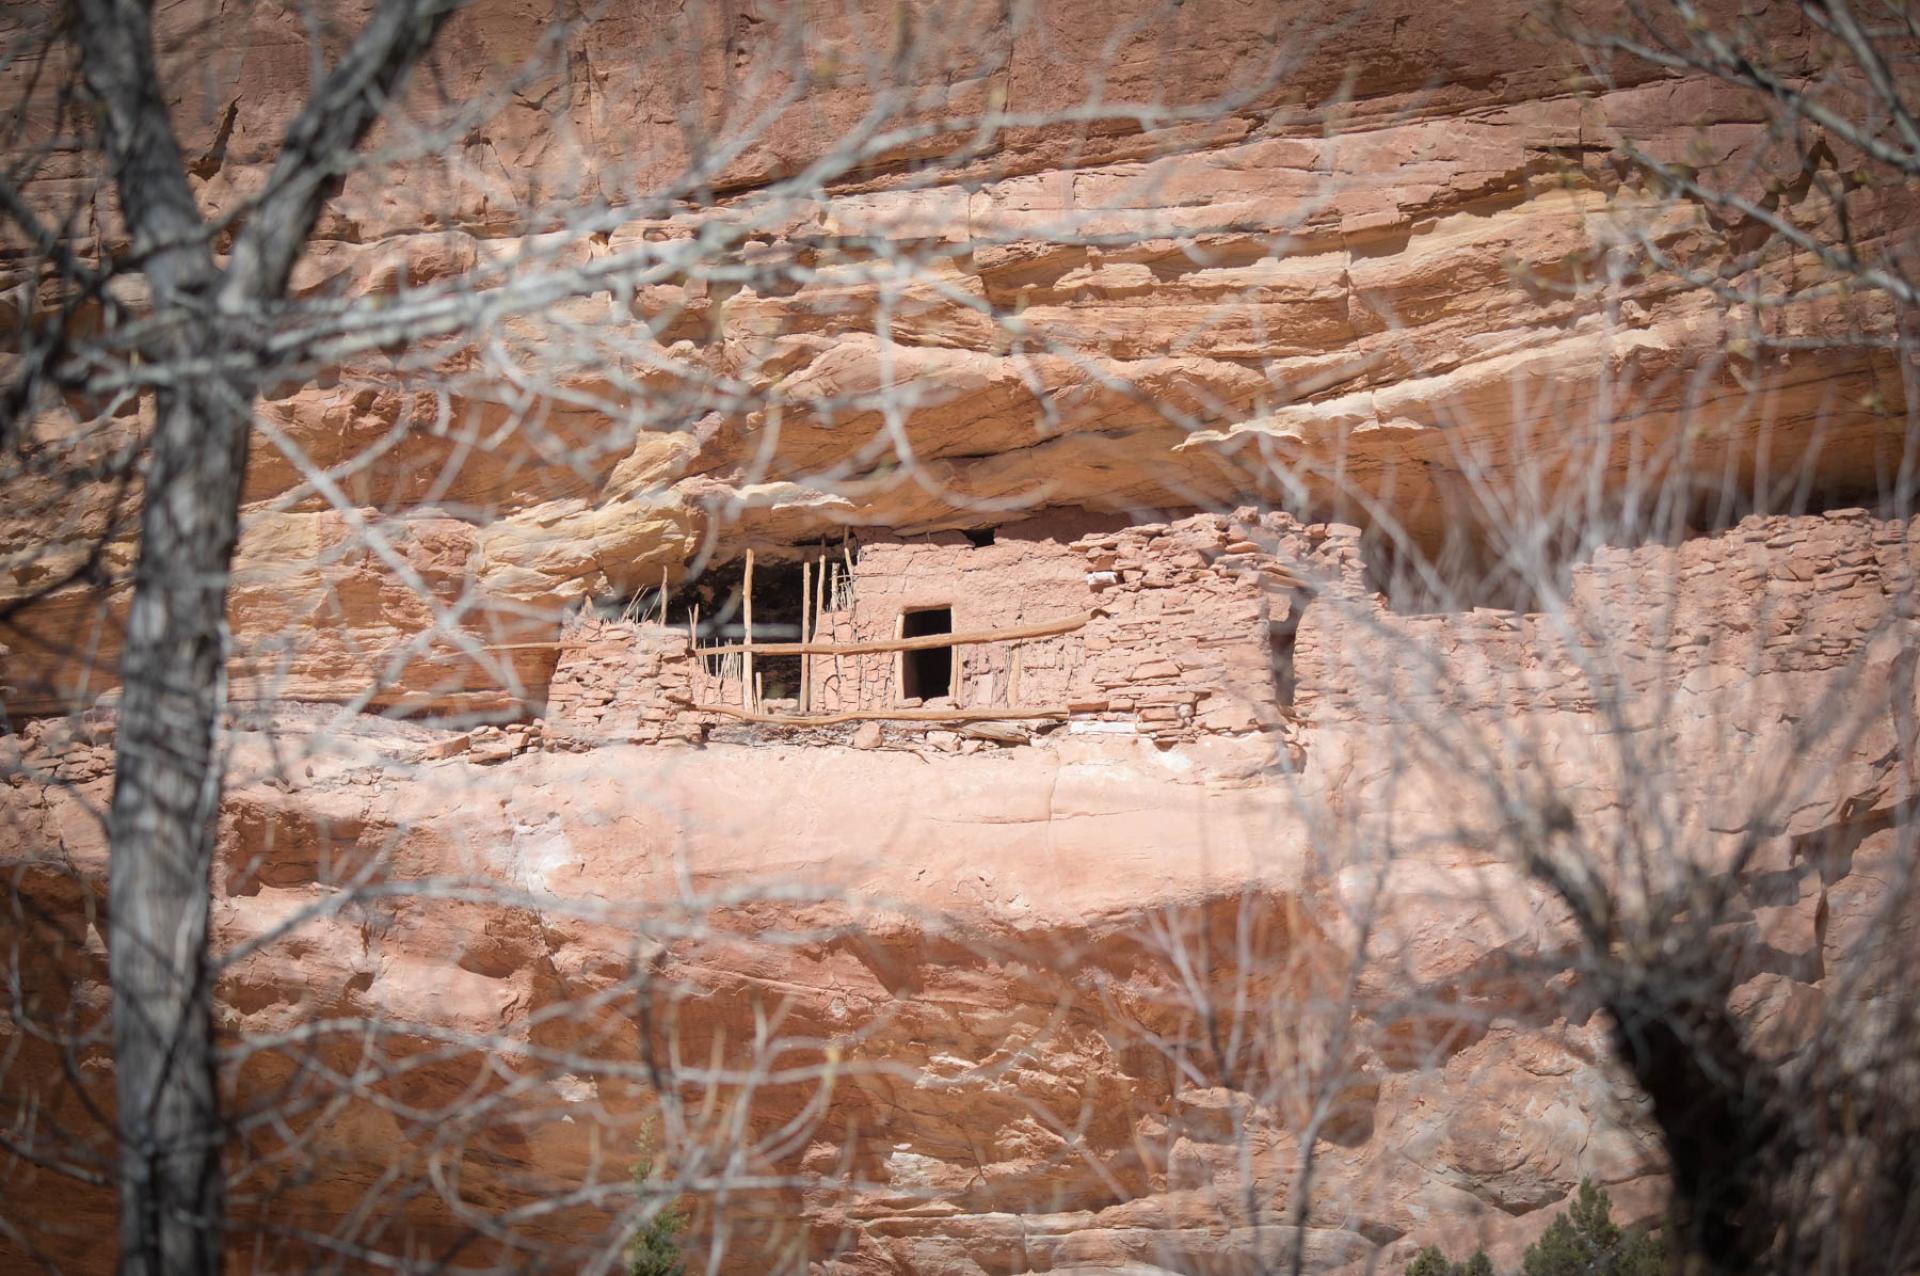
x,y
928,638
1086,624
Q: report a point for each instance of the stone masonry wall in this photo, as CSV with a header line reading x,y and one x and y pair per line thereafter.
x,y
1197,618
1203,626
1774,594
1029,575
623,681
1190,632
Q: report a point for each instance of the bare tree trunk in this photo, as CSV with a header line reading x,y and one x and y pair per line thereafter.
x,y
167,786
165,803
166,796
1716,1112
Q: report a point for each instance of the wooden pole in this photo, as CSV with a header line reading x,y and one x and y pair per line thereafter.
x,y
899,660
746,662
927,642
806,633
953,676
983,714
827,571
859,666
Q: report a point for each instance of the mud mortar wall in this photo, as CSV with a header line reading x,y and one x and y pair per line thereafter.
x,y
1188,626
1775,594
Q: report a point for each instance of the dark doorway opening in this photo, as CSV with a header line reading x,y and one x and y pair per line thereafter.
x,y
929,673
777,606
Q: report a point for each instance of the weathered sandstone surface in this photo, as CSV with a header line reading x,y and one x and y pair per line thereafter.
x,y
1065,993
1423,294
1029,1080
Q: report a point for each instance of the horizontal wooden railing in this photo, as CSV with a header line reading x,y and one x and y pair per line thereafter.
x,y
986,713
928,642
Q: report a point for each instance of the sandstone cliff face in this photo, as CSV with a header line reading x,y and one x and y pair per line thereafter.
x,y
1027,954
1221,962
1381,314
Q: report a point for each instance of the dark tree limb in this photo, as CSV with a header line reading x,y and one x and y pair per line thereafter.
x,y
166,798
143,152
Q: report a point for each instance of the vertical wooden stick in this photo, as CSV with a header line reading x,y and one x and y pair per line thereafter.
x,y
666,595
828,569
693,643
954,670
746,658
806,619
853,611
899,662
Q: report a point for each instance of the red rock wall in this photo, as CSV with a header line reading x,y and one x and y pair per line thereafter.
x,y
1405,318
1034,1076
1021,912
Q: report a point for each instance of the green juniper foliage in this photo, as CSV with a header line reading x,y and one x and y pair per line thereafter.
x,y
655,1248
1582,1241
1431,1262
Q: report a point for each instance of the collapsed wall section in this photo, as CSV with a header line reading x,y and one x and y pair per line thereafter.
x,y
1775,594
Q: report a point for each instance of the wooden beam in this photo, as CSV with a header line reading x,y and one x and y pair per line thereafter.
x,y
746,661
1009,713
806,633
899,681
927,643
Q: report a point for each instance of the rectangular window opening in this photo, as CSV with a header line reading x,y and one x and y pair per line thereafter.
x,y
925,675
